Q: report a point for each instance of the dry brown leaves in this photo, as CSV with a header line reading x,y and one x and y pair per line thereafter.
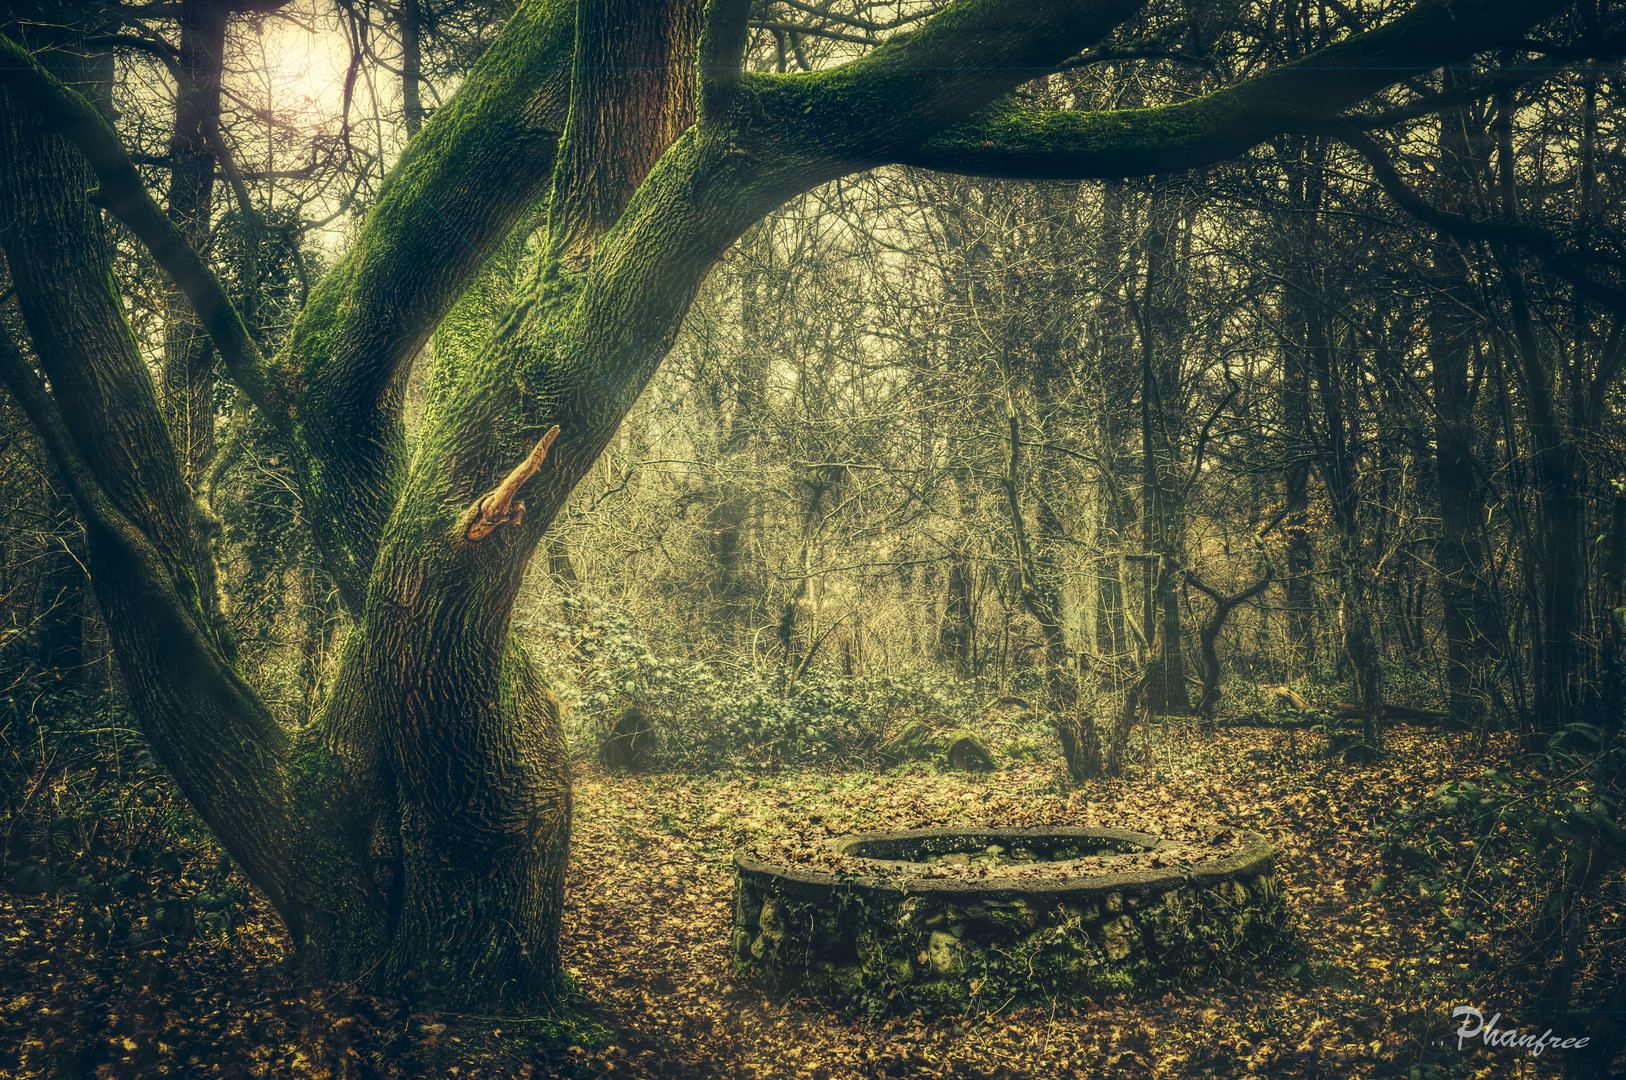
x,y
648,918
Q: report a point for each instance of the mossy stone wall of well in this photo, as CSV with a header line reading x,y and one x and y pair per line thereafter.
x,y
892,941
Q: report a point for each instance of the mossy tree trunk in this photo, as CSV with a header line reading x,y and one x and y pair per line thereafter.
x,y
414,836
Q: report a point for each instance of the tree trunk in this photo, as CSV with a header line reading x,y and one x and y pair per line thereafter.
x,y
1340,474
1298,586
1470,647
1080,739
954,637
189,356
410,20
1163,515
102,425
1110,334
1208,637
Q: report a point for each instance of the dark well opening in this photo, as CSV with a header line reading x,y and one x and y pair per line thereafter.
x,y
973,848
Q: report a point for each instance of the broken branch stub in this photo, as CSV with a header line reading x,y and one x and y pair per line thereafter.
x,y
498,508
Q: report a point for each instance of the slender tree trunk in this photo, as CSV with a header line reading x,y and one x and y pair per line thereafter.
x,y
1079,737
1110,331
1471,649
1340,474
954,637
410,20
1162,515
1298,586
188,370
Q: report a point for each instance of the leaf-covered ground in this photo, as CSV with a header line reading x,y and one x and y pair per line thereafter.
x,y
1369,993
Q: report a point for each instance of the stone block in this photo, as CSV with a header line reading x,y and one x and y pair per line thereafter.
x,y
945,953
1120,937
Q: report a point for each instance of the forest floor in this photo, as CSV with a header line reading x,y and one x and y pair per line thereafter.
x,y
1368,991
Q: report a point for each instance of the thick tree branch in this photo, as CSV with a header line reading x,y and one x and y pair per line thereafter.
x,y
632,91
465,181
68,113
1006,140
881,107
724,37
28,389
206,724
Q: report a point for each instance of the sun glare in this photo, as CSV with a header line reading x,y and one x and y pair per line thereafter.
x,y
305,62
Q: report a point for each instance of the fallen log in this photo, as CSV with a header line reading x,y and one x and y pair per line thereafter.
x,y
1394,714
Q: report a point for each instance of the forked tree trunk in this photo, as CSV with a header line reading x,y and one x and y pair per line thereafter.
x,y
414,837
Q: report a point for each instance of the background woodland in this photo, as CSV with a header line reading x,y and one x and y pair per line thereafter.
x,y
949,471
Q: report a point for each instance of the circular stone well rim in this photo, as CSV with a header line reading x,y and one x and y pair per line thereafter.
x,y
1054,882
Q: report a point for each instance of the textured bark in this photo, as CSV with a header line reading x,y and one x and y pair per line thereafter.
x,y
1012,141
457,193
104,429
632,95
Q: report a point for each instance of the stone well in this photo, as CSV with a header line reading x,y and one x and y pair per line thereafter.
x,y
949,920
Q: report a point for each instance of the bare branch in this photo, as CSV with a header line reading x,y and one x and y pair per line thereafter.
x,y
1568,265
122,192
813,31
1136,50
1007,140
853,20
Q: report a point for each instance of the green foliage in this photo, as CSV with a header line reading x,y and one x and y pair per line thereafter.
x,y
1473,848
92,815
266,268
708,716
